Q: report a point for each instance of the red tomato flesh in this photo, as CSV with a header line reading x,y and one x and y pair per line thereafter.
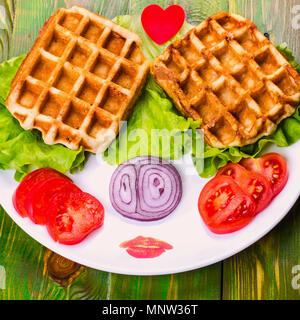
x,y
72,216
253,183
38,198
273,167
27,184
224,206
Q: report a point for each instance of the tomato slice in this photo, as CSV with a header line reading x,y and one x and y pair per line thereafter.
x,y
253,183
251,164
38,198
72,216
27,184
224,206
273,166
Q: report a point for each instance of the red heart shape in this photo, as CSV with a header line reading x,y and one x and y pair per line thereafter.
x,y
162,25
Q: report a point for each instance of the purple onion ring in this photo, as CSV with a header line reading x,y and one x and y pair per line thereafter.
x,y
145,188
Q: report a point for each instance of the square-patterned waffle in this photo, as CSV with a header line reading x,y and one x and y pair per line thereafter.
x,y
227,73
82,76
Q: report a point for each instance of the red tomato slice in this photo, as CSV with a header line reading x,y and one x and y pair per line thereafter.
x,y
273,166
72,216
253,183
27,184
37,200
224,206
251,164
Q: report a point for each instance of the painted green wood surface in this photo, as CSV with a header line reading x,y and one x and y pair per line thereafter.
x,y
262,271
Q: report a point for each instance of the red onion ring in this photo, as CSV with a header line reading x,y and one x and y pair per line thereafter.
x,y
145,188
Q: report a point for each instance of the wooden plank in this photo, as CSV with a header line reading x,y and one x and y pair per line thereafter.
x,y
22,259
199,284
266,274
29,18
92,284
31,15
7,10
25,264
277,17
202,284
259,272
196,10
21,256
264,271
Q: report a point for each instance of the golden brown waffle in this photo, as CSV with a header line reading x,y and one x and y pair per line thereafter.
x,y
83,75
227,73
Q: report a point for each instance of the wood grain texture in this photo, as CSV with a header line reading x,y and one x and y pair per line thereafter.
x,y
26,272
7,9
263,271
188,285
196,10
201,284
22,259
31,15
274,17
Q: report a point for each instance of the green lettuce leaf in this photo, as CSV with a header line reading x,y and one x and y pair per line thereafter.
x,y
154,113
287,133
8,70
22,150
289,55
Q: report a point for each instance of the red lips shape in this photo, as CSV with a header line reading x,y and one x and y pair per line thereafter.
x,y
162,25
145,247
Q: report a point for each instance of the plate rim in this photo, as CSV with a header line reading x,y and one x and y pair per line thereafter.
x,y
163,270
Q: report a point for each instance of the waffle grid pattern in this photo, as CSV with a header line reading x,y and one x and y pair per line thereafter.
x,y
81,78
227,73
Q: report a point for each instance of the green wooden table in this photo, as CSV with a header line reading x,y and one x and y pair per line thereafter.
x,y
264,271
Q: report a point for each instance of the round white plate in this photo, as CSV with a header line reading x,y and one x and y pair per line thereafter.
x,y
194,246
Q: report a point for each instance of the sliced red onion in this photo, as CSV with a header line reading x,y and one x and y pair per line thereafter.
x,y
145,188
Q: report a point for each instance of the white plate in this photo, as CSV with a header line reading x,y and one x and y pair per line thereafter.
x,y
194,246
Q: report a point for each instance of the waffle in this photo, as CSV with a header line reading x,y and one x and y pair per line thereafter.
x,y
81,78
227,73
